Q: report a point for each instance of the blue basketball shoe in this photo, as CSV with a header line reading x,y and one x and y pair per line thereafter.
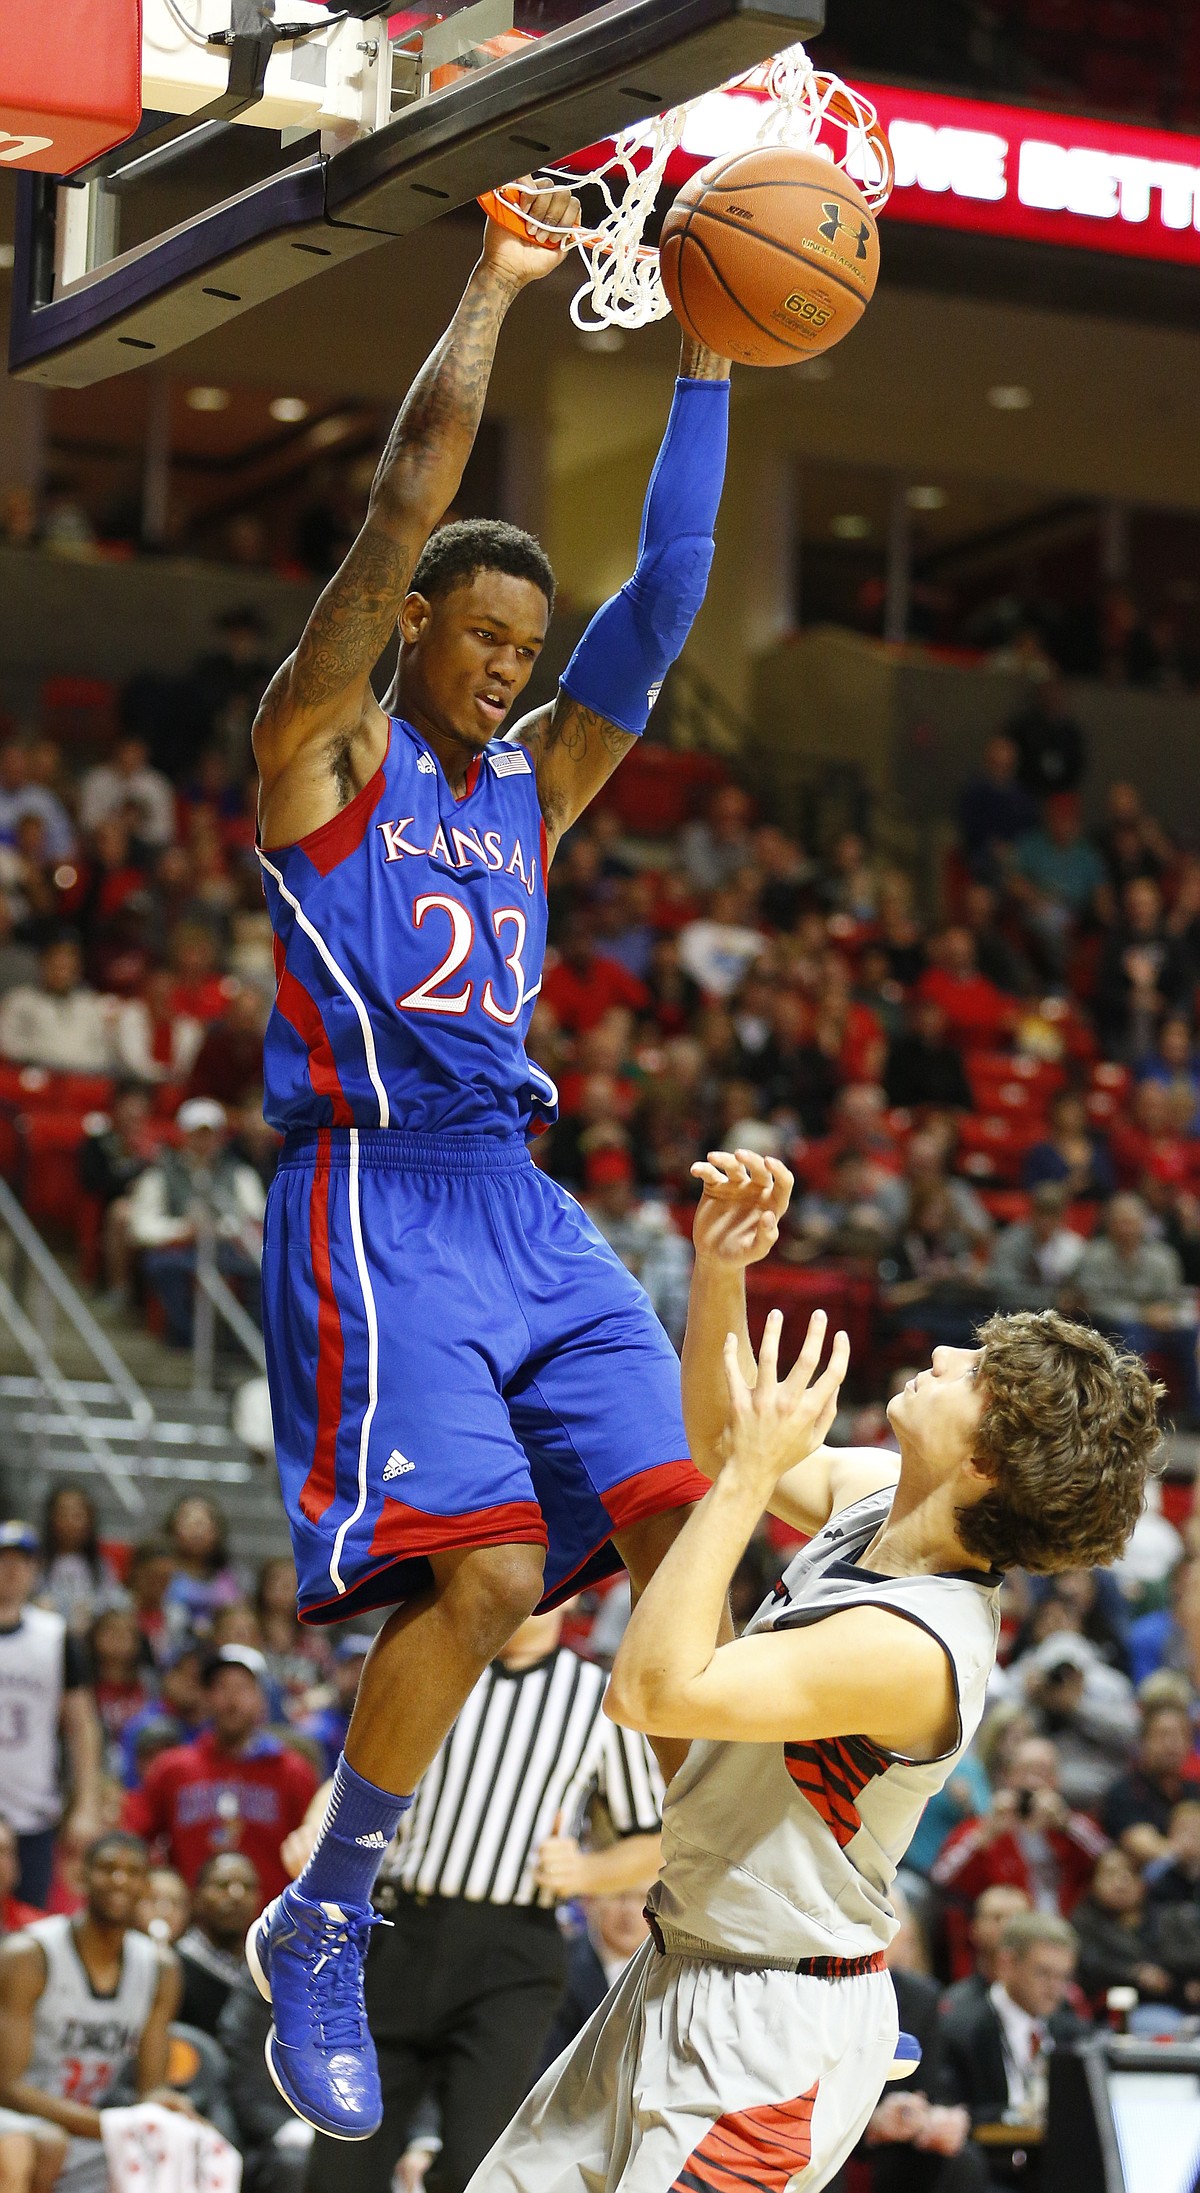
x,y
307,1960
906,2058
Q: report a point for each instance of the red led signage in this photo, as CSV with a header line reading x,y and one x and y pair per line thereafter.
x,y
1006,171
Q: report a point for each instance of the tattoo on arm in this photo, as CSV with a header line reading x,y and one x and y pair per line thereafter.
x,y
575,751
417,478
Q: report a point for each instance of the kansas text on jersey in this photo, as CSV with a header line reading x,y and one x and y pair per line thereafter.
x,y
409,937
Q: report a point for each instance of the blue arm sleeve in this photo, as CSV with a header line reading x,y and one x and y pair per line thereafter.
x,y
630,644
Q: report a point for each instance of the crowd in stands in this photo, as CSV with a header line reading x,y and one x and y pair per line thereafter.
x,y
1061,1863
990,1104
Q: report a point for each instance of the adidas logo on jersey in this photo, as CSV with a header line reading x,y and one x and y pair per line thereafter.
x,y
373,1841
397,1465
426,765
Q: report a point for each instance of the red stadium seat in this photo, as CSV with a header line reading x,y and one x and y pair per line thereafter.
x,y
50,1144
1008,1206
799,1290
992,1150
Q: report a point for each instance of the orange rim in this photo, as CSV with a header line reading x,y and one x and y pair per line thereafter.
x,y
505,216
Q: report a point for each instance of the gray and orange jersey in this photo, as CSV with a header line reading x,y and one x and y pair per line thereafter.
x,y
787,1851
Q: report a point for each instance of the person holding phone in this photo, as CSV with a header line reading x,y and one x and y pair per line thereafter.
x,y
1030,1839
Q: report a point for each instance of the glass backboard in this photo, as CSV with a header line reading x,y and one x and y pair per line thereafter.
x,y
264,158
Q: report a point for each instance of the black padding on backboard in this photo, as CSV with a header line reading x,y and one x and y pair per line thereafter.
x,y
573,87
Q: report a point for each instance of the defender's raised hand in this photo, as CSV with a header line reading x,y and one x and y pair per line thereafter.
x,y
737,1217
772,1426
520,258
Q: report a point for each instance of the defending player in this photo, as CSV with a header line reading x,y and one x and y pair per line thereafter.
x,y
749,2040
471,1396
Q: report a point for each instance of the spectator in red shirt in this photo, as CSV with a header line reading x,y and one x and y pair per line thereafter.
x,y
1149,1141
198,989
1028,1840
585,984
13,1913
234,1788
978,1015
860,1129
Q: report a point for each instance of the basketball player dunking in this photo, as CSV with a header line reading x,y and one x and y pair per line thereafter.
x,y
473,1403
748,2042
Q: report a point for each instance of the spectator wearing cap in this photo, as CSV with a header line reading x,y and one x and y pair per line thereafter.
x,y
225,1900
1035,1258
328,1725
47,1719
201,1185
234,1787
1133,1287
58,1022
642,1234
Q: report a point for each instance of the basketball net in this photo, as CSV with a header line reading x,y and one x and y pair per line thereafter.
x,y
800,105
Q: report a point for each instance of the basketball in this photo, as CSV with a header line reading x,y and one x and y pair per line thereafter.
x,y
770,256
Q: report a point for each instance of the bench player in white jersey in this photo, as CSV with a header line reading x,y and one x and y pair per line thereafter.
x,y
83,2003
746,2045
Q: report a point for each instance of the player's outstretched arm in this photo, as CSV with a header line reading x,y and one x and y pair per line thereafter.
x,y
612,681
736,1225
865,1672
322,692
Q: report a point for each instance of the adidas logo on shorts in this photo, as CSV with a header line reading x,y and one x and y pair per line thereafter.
x,y
397,1465
373,1841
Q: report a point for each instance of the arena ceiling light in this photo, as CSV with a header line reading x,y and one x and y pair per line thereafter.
x,y
850,525
207,399
289,410
927,498
1010,396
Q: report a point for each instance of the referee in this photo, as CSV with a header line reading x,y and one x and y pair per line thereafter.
x,y
461,1987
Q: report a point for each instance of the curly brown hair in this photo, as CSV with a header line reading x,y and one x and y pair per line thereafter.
x,y
1069,1435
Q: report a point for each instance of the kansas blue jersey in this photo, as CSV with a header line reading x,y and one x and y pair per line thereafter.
x,y
410,932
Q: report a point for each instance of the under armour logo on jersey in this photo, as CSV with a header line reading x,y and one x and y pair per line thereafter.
x,y
426,765
373,1841
397,1465
833,226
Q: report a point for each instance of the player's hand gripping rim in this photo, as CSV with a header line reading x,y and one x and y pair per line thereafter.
x,y
526,240
774,1425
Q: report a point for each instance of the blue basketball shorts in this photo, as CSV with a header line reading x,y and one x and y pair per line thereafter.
x,y
456,1358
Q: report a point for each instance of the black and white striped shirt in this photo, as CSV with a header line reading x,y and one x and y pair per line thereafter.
x,y
530,1744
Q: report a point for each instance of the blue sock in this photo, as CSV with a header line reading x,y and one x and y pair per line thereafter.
x,y
359,1823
